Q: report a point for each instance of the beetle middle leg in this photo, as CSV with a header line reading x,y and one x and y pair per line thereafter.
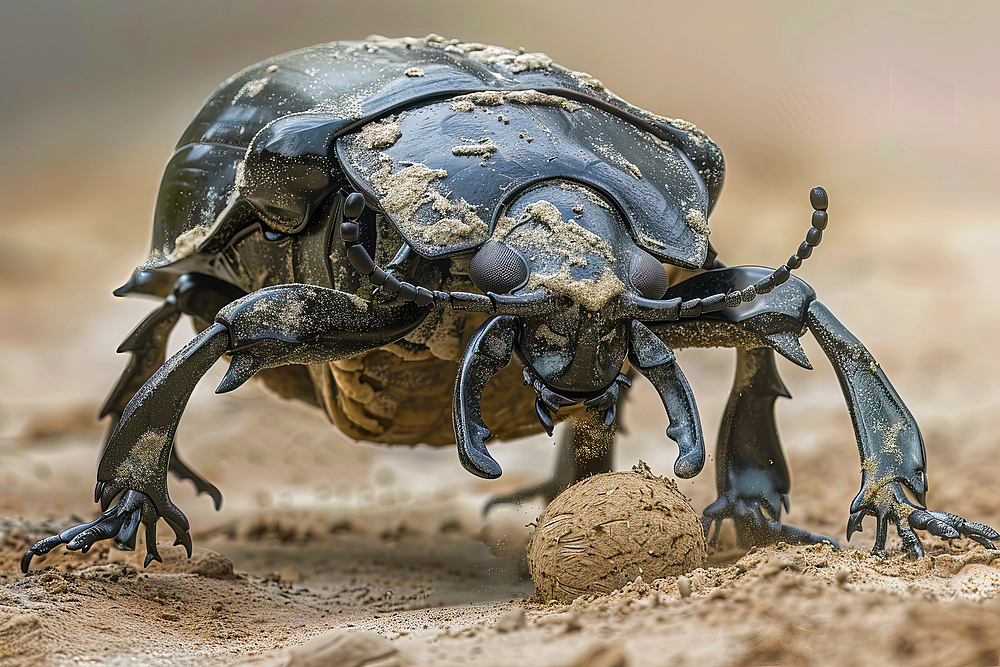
x,y
285,324
586,448
751,472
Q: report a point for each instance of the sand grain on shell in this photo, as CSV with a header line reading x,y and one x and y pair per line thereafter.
x,y
495,98
403,192
187,243
483,149
542,226
379,135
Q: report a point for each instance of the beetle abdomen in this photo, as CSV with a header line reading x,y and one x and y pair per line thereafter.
x,y
384,397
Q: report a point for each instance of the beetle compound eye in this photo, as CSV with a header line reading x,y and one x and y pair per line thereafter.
x,y
648,276
498,268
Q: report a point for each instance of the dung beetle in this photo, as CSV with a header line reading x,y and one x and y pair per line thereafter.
x,y
379,227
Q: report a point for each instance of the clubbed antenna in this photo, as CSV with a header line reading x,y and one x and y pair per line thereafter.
x,y
820,202
653,310
354,206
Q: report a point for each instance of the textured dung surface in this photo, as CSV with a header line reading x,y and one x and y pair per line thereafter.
x,y
605,531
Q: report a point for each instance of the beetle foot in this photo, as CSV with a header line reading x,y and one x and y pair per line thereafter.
x,y
120,523
889,503
753,526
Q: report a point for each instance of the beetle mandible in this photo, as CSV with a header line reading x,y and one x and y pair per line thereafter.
x,y
361,223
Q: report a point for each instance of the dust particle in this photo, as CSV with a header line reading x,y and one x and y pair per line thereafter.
x,y
695,219
414,71
542,226
591,293
406,190
587,80
250,89
187,243
682,124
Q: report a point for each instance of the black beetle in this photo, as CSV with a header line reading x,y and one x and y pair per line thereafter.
x,y
499,206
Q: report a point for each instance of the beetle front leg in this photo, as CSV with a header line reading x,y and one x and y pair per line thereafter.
x,y
197,295
270,327
136,457
890,445
652,358
489,350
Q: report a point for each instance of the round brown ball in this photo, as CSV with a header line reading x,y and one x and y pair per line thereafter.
x,y
606,530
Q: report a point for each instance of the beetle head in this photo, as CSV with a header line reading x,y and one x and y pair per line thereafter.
x,y
563,244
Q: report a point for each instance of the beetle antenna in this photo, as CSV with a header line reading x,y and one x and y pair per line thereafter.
x,y
357,254
673,309
820,201
354,206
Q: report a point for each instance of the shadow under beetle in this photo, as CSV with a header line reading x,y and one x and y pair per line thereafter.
x,y
361,223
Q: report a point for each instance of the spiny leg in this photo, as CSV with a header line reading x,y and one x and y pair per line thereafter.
x,y
197,295
890,446
751,472
258,332
889,440
134,463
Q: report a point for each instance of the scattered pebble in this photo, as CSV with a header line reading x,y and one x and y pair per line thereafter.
x,y
684,586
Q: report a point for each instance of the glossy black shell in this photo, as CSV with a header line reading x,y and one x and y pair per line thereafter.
x,y
276,137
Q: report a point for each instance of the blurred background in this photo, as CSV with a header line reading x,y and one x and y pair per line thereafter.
x,y
891,105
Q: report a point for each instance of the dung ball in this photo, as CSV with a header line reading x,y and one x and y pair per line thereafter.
x,y
606,530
